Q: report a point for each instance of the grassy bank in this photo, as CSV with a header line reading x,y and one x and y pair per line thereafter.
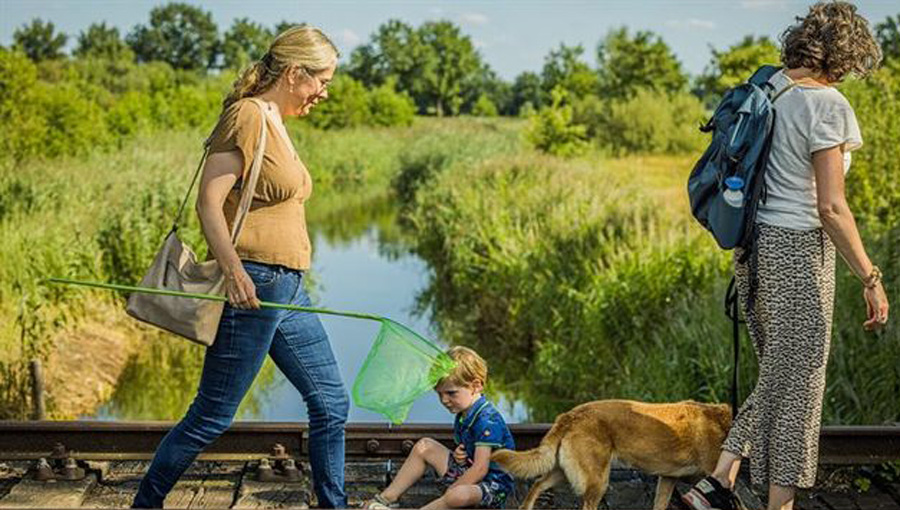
x,y
584,279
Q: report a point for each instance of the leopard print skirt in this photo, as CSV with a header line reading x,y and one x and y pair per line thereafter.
x,y
778,425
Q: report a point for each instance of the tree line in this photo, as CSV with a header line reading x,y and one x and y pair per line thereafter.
x,y
436,64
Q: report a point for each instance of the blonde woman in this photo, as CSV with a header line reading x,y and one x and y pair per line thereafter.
x,y
804,219
267,264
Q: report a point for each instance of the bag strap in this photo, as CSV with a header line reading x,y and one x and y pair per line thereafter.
x,y
731,310
247,188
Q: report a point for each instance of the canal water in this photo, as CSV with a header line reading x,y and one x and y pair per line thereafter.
x,y
364,268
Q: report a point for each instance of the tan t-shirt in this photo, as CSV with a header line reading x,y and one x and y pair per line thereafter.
x,y
275,228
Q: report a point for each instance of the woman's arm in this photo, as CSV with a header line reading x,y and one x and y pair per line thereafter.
x,y
221,171
838,222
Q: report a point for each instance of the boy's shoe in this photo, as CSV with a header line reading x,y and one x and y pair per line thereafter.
x,y
377,503
708,494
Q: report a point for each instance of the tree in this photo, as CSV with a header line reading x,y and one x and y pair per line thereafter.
x,y
734,66
527,89
449,67
489,86
564,68
643,61
243,42
182,35
888,34
435,64
102,41
394,50
39,41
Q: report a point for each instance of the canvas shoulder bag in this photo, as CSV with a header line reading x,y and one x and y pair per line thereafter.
x,y
175,267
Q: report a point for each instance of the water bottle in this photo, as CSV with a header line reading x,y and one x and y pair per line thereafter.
x,y
734,194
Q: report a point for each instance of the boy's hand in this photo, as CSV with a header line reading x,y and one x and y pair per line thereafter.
x,y
459,454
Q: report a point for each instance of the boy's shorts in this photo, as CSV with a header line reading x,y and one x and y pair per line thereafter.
x,y
493,495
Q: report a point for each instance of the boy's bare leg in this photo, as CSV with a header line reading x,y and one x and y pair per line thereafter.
x,y
426,452
458,496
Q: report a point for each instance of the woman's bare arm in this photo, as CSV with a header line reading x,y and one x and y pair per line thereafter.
x,y
838,222
220,173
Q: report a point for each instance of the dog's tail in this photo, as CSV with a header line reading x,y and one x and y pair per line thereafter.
x,y
535,462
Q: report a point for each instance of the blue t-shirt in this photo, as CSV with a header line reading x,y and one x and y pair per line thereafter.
x,y
483,425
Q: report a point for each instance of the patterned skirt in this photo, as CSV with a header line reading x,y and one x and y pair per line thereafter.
x,y
778,425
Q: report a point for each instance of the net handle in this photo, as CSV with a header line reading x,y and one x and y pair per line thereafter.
x,y
210,297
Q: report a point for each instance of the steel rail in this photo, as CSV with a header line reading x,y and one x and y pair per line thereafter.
x,y
97,440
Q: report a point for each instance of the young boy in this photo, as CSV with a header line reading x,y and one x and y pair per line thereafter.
x,y
470,478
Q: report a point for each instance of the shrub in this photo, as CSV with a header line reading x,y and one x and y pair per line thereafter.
x,y
484,107
553,131
389,107
650,122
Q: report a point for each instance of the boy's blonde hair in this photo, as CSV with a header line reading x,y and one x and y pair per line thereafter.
x,y
470,367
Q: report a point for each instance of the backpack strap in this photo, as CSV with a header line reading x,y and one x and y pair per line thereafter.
x,y
763,75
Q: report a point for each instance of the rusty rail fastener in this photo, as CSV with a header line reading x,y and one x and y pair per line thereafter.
x,y
407,446
372,445
278,451
59,451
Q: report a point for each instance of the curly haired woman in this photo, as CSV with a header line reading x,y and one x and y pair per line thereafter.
x,y
803,221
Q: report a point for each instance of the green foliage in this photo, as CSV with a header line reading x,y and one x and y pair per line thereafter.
x,y
349,104
435,64
484,107
22,128
564,68
179,34
873,187
388,107
649,122
553,131
451,62
628,64
888,34
40,41
100,41
734,66
527,89
244,42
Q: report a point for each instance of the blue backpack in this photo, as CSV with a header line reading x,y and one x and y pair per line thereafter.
x,y
728,182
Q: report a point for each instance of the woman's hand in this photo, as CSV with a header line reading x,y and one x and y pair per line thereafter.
x,y
240,289
876,307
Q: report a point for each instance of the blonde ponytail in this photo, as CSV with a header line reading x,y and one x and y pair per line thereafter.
x,y
302,45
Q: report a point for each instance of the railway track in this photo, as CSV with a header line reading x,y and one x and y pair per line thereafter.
x,y
100,464
92,440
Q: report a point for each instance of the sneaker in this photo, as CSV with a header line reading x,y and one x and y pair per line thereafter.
x,y
708,494
377,503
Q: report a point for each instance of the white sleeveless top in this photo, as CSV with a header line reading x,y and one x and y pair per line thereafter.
x,y
808,119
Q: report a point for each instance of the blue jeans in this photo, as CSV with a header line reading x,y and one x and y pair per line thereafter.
x,y
300,348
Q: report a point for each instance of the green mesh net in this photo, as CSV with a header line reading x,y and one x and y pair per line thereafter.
x,y
400,367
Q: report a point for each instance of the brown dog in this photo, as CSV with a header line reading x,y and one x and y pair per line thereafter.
x,y
669,440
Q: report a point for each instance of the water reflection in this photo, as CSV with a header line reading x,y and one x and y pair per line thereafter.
x,y
159,383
